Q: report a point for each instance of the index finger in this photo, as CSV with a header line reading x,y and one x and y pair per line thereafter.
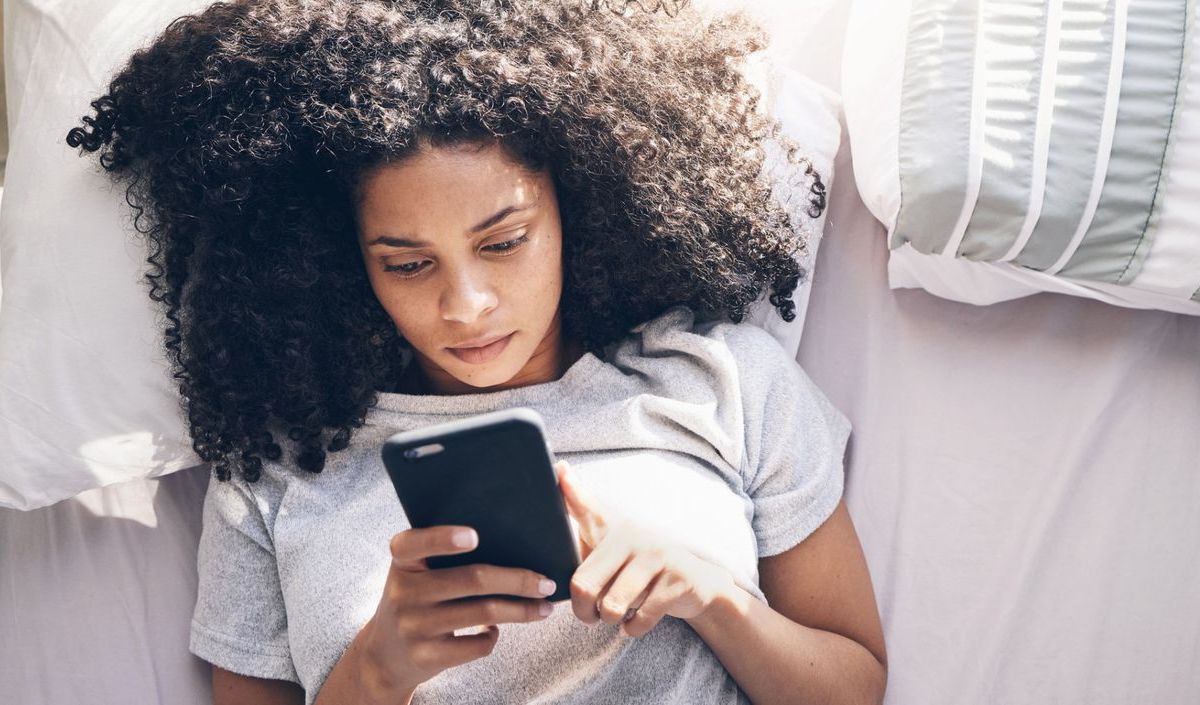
x,y
582,506
410,548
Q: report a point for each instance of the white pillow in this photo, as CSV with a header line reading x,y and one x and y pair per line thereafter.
x,y
809,115
86,398
1012,148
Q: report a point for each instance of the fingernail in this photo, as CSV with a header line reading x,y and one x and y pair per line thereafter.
x,y
546,586
464,538
545,609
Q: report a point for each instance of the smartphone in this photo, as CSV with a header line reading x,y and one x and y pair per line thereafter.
x,y
493,473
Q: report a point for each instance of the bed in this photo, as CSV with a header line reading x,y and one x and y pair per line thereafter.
x,y
1024,478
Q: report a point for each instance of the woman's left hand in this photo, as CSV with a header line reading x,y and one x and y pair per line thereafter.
x,y
631,576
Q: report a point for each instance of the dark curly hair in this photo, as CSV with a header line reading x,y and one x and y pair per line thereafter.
x,y
241,133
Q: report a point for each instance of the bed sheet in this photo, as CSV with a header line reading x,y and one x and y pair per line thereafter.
x,y
1024,478
96,596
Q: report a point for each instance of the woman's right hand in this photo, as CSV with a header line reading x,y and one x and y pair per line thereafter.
x,y
410,639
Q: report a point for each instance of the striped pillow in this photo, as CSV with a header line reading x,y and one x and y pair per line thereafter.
x,y
1015,146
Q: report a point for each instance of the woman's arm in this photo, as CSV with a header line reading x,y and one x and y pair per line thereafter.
x,y
234,689
820,640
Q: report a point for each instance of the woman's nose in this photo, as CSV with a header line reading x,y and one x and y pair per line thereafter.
x,y
467,299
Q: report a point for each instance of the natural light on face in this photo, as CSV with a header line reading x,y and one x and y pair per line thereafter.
x,y
463,247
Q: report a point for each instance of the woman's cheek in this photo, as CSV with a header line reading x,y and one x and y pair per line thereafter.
x,y
526,283
548,270
405,305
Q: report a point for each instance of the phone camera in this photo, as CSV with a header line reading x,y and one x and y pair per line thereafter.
x,y
411,454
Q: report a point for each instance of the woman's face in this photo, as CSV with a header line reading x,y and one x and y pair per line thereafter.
x,y
463,247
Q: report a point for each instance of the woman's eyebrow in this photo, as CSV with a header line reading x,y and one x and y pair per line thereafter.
x,y
393,241
500,215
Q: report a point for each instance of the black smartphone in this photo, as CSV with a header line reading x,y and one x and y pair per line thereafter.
x,y
491,472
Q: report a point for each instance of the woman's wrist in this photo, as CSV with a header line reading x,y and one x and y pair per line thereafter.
x,y
378,682
360,678
731,602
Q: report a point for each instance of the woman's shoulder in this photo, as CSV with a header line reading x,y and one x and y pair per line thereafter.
x,y
715,345
736,366
280,483
741,374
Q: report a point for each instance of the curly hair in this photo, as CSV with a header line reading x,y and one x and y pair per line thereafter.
x,y
241,133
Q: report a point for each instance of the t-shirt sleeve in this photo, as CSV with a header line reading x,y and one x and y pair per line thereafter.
x,y
239,623
795,443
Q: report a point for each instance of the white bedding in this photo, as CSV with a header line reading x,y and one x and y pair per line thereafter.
x,y
1024,478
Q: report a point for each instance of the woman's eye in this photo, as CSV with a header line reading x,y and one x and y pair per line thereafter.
x,y
507,246
406,269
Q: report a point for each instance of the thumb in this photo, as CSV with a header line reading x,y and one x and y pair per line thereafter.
x,y
582,505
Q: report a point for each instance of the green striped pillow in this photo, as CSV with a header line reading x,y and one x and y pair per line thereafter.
x,y
1015,146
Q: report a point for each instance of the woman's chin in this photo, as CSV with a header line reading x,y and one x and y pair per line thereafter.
x,y
486,376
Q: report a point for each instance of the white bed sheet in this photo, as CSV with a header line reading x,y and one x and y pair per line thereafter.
x,y
96,596
1024,478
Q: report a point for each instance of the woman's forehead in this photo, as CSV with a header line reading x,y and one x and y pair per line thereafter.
x,y
448,188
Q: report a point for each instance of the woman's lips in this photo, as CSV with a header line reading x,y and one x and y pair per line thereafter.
x,y
478,354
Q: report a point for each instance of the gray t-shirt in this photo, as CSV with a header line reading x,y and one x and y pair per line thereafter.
x,y
709,432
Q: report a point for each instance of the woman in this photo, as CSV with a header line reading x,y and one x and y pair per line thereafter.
x,y
367,216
